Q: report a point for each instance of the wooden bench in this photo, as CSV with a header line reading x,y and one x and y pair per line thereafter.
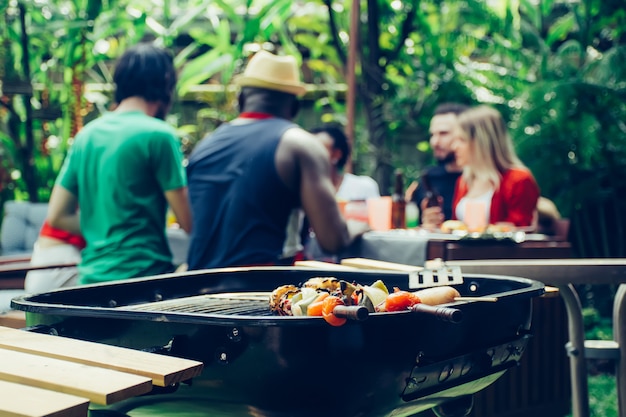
x,y
66,375
14,319
26,401
13,270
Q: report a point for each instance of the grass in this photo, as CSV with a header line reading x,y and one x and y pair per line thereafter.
x,y
601,380
602,396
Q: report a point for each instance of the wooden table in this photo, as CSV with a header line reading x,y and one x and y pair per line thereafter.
x,y
450,250
416,246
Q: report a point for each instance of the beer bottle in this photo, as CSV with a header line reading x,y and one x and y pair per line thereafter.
x,y
433,199
398,204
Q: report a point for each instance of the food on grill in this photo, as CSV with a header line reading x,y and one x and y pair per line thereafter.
x,y
373,295
437,295
320,296
315,308
400,300
280,299
328,310
323,283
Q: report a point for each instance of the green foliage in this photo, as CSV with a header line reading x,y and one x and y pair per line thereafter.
x,y
597,326
602,396
553,68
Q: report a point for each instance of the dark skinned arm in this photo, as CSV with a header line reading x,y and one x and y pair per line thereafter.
x,y
303,164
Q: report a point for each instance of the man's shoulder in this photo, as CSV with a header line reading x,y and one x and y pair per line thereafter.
x,y
299,141
130,122
294,133
156,125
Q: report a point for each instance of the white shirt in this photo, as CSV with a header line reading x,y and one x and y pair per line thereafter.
x,y
357,187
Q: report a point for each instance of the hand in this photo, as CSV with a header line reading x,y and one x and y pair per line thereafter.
x,y
432,218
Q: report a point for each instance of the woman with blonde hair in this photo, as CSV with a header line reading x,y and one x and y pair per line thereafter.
x,y
493,178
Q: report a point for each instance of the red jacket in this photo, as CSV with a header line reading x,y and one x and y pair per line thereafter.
x,y
515,201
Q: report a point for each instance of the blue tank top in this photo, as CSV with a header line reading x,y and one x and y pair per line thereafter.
x,y
239,204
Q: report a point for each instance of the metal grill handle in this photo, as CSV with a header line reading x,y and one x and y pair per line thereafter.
x,y
449,314
358,313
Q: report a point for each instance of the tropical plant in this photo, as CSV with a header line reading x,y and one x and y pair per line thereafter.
x,y
217,49
48,51
416,55
550,66
570,122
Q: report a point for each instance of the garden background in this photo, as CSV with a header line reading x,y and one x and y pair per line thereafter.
x,y
554,68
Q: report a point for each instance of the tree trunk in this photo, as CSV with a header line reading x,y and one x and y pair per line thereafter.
x,y
377,127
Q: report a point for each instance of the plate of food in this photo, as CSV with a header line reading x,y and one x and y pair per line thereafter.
x,y
494,232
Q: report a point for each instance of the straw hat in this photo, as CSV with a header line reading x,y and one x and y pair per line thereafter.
x,y
273,72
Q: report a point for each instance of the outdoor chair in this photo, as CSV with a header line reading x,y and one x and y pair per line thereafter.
x,y
20,226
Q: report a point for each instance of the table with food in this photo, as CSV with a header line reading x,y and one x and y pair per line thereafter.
x,y
452,241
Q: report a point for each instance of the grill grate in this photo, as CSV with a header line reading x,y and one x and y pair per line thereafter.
x,y
237,304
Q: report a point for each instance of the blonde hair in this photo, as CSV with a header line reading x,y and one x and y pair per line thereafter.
x,y
493,151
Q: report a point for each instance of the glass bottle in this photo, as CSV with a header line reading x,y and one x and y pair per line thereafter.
x,y
398,204
433,199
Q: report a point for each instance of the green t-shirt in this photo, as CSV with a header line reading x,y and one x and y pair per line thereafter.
x,y
119,167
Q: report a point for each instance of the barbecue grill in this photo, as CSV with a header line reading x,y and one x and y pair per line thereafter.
x,y
260,364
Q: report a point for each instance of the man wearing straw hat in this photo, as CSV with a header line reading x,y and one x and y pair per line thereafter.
x,y
248,176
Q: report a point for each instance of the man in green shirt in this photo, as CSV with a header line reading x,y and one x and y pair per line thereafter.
x,y
123,170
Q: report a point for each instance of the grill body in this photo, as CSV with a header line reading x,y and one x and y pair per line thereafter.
x,y
256,364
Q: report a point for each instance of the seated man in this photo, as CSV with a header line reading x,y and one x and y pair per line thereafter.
x,y
349,187
246,178
440,178
54,246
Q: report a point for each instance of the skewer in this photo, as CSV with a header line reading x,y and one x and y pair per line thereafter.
x,y
485,299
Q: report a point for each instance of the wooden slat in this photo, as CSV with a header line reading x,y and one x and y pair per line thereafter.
x,y
556,272
18,400
364,263
550,291
162,370
324,265
99,385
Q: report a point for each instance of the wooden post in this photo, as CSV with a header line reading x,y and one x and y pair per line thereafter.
x,y
351,75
